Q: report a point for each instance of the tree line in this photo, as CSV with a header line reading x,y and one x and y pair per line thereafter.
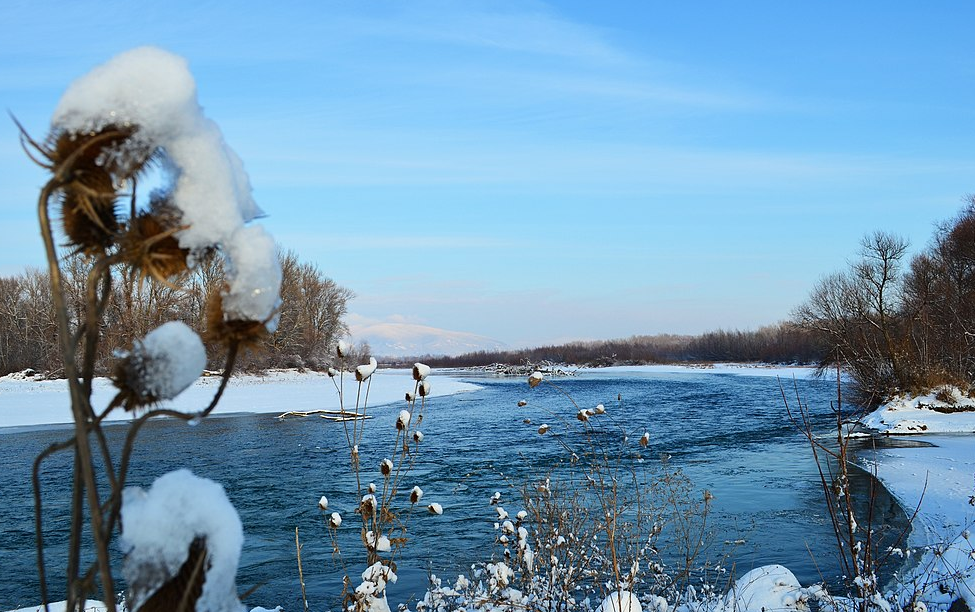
x,y
900,324
310,322
779,343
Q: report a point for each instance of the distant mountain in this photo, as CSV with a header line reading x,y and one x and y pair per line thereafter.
x,y
408,339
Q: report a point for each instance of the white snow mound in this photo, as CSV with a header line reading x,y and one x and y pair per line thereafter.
x,y
770,587
159,525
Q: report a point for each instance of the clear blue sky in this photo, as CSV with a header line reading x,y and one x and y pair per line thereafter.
x,y
539,172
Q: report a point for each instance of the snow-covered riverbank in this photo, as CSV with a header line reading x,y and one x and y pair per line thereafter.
x,y
937,478
26,402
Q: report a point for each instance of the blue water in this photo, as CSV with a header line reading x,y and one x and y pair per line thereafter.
x,y
729,434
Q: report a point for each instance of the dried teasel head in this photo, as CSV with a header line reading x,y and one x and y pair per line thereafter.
x,y
150,246
245,334
367,507
386,467
416,495
89,170
158,367
420,371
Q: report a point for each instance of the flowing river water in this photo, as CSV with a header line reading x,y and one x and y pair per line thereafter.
x,y
729,434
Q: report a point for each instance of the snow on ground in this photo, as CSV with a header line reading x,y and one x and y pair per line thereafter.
x,y
937,478
912,415
941,477
26,402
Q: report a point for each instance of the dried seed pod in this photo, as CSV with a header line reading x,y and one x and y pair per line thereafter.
x,y
424,388
363,372
323,503
335,520
247,334
543,428
159,366
435,508
522,403
416,495
149,245
368,505
92,168
386,467
403,420
645,439
535,379
420,371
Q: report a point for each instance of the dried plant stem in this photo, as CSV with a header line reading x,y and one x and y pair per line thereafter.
x,y
301,573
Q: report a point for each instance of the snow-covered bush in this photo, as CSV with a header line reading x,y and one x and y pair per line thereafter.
x,y
600,525
132,116
384,509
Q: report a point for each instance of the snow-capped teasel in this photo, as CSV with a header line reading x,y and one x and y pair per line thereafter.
x,y
645,439
253,277
522,403
424,388
343,349
332,372
160,366
161,524
153,91
403,420
410,397
416,495
368,505
372,488
381,544
543,428
323,503
335,520
535,379
600,409
435,508
386,467
363,372
418,436
420,371
149,98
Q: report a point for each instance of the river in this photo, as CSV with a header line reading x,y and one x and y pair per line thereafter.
x,y
729,434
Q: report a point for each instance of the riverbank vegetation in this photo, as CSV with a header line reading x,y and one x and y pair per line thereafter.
x,y
784,343
900,325
310,314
